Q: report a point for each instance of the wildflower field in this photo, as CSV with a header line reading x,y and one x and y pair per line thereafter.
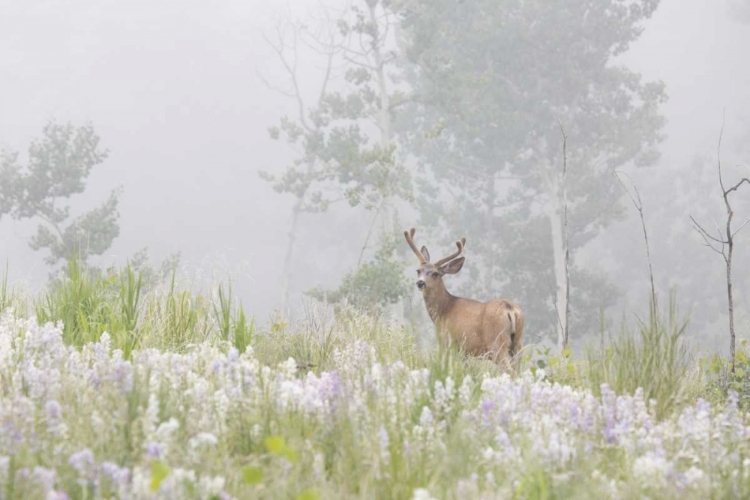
x,y
111,389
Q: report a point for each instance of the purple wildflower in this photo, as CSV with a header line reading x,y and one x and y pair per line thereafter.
x,y
117,474
45,477
82,461
53,409
154,450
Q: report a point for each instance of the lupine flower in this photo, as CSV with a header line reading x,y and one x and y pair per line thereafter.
x,y
83,462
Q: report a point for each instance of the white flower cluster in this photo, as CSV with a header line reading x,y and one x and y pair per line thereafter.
x,y
167,425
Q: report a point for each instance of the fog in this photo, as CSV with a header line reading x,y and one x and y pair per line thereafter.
x,y
176,92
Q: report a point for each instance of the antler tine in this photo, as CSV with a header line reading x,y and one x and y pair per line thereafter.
x,y
409,235
460,245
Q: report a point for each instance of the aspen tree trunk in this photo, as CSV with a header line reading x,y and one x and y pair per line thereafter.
x,y
555,217
558,252
389,211
291,238
491,194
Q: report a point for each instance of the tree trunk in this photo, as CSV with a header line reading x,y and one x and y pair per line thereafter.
x,y
558,252
388,210
491,194
731,307
292,236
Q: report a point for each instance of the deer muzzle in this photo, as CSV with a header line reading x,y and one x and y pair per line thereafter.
x,y
421,284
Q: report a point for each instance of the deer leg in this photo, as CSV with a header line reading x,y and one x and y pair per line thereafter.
x,y
502,359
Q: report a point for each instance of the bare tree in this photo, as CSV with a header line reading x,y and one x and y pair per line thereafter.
x,y
638,204
565,333
304,179
723,244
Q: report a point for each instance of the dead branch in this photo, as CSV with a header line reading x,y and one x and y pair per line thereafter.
x,y
281,46
638,204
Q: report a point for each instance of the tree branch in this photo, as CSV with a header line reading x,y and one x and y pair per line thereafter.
x,y
705,233
734,188
639,206
741,226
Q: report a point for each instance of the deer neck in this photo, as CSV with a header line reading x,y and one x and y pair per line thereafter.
x,y
438,301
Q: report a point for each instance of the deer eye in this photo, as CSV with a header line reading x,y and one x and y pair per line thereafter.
x,y
419,271
435,275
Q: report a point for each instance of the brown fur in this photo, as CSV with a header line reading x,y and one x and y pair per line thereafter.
x,y
493,329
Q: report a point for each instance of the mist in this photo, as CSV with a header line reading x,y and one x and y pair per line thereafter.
x,y
183,94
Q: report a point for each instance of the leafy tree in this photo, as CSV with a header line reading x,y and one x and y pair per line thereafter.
x,y
58,167
344,140
374,285
151,275
495,81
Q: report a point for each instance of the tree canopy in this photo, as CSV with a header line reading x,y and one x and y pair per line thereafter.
x,y
58,166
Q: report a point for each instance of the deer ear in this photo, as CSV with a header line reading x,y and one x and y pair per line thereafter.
x,y
425,253
453,266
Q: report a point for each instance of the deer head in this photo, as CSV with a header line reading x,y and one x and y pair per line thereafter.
x,y
492,328
429,275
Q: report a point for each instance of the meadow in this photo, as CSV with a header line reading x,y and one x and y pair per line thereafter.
x,y
116,387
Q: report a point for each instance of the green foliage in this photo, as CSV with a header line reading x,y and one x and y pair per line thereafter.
x,y
130,295
309,494
252,475
374,285
7,296
536,485
159,472
657,360
150,274
89,302
275,445
338,155
560,367
4,298
58,167
722,382
233,325
84,303
177,317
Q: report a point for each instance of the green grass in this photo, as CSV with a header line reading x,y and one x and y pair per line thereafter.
x,y
656,359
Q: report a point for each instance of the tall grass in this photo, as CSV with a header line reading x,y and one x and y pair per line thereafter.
x,y
656,358
233,324
83,302
9,297
89,302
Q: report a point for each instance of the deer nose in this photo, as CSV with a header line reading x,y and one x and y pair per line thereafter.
x,y
421,284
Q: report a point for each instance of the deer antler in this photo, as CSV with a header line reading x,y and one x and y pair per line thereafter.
x,y
460,245
409,235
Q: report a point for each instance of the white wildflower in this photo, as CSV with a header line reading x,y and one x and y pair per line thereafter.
x,y
422,494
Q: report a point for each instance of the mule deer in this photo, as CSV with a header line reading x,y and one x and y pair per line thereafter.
x,y
493,329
